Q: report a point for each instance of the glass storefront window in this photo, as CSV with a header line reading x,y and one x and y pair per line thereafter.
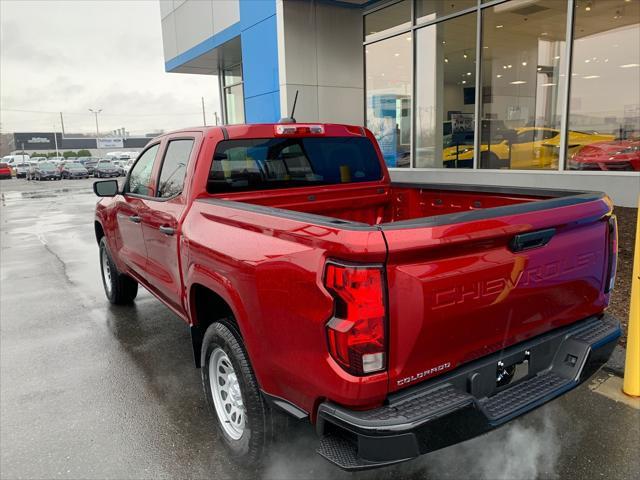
x,y
427,10
388,96
387,20
233,75
604,118
234,102
523,60
233,94
445,93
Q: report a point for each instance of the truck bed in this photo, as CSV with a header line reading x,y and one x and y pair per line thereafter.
x,y
401,202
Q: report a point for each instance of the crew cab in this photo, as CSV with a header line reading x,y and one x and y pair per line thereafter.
x,y
396,318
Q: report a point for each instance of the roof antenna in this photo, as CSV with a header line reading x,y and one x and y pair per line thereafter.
x,y
290,118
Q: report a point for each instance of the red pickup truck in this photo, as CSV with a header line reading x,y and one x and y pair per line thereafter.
x,y
396,318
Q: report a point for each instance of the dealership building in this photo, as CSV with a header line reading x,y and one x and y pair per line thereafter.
x,y
45,142
542,93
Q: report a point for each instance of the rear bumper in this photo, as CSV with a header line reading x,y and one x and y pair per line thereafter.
x,y
465,403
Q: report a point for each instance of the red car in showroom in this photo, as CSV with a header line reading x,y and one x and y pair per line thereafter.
x,y
622,155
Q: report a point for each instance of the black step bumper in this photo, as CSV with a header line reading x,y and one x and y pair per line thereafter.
x,y
467,402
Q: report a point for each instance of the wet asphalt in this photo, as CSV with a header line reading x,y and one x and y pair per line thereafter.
x,y
89,390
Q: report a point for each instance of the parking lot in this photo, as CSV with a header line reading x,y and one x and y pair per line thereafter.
x,y
90,390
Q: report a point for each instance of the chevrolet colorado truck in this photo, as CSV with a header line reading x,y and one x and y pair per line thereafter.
x,y
396,318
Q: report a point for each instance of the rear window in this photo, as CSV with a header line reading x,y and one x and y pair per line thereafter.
x,y
3,165
268,163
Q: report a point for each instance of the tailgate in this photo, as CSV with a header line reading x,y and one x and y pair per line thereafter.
x,y
465,285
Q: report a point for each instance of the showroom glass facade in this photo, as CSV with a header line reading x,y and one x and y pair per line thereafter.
x,y
233,98
505,84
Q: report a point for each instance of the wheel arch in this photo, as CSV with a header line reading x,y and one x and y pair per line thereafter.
x,y
99,231
207,306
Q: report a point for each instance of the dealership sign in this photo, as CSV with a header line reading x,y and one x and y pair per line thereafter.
x,y
110,143
36,140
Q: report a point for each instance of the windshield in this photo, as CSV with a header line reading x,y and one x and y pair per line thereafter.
x,y
105,163
73,166
46,166
267,163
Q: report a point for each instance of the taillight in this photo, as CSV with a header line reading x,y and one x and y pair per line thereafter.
x,y
357,332
612,263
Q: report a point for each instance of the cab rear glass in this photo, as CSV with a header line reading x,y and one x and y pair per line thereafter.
x,y
272,163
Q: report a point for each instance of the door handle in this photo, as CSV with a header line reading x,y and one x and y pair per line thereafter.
x,y
167,230
135,219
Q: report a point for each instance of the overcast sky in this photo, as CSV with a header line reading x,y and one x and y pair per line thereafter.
x,y
71,56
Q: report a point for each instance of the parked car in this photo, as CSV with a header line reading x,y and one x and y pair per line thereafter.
x,y
5,170
72,170
530,148
398,318
12,160
619,155
105,168
21,169
84,160
43,171
38,159
90,164
56,160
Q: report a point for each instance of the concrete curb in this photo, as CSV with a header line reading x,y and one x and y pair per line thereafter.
x,y
615,364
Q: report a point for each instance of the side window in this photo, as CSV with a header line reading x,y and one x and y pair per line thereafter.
x,y
140,176
549,134
525,137
174,168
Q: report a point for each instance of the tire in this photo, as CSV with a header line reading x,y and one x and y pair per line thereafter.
x,y
119,288
261,423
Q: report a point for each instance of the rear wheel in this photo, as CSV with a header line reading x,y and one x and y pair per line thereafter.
x,y
119,288
245,422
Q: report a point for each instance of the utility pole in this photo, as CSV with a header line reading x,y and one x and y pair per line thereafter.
x,y
55,139
62,123
215,115
204,118
96,112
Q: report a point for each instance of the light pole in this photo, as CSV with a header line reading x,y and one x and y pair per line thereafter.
x,y
96,112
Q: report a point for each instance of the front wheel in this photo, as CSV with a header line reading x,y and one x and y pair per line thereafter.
x,y
244,421
119,288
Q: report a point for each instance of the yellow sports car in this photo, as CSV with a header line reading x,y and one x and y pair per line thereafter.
x,y
531,148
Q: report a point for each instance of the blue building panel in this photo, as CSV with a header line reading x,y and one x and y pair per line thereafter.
x,y
260,58
254,11
262,108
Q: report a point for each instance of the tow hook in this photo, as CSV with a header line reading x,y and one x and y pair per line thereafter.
x,y
505,374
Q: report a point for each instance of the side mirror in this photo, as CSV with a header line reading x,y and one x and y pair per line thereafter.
x,y
106,188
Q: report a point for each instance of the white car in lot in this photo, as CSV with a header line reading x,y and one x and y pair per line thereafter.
x,y
21,169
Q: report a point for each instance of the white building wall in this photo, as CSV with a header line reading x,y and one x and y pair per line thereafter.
x,y
186,23
320,55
